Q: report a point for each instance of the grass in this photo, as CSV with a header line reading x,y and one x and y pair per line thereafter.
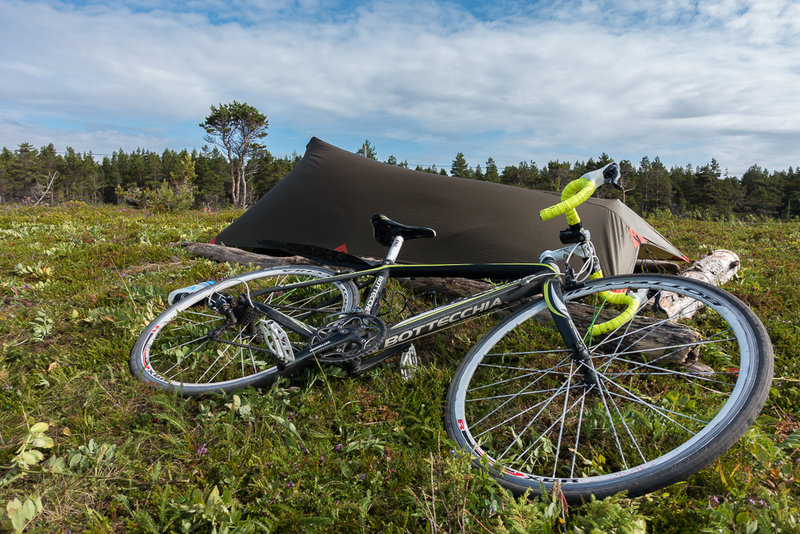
x,y
79,283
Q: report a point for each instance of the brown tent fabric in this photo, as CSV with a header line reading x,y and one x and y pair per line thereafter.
x,y
325,204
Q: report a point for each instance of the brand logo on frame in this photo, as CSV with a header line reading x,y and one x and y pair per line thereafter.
x,y
441,322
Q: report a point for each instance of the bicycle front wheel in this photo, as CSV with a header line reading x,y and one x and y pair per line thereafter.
x,y
195,348
674,390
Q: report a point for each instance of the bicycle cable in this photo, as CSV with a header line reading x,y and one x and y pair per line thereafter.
x,y
589,261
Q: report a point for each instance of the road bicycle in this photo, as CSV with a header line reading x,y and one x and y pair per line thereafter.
x,y
592,384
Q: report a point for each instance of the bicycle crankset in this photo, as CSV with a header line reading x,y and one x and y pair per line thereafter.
x,y
351,337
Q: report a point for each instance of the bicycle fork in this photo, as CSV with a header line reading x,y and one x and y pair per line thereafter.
x,y
569,333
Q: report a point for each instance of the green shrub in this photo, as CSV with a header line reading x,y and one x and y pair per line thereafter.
x,y
176,197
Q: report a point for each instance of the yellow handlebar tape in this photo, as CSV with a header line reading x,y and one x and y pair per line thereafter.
x,y
630,303
576,192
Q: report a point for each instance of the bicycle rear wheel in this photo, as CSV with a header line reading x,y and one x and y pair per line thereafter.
x,y
177,352
674,390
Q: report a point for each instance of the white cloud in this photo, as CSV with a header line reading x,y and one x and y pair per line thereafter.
x,y
563,81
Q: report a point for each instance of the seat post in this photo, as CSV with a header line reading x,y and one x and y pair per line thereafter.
x,y
373,301
394,250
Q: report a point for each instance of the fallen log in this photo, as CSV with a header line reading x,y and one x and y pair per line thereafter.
x,y
665,341
716,268
224,254
450,287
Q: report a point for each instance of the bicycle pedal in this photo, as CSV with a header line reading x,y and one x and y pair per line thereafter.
x,y
409,361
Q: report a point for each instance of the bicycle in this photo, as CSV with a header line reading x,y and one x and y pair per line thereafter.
x,y
585,382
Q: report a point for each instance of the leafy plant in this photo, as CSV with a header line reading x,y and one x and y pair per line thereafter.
x,y
20,513
38,271
28,454
42,326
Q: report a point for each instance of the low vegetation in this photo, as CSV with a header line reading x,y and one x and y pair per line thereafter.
x,y
86,448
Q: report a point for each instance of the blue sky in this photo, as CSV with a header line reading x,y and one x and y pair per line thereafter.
x,y
422,80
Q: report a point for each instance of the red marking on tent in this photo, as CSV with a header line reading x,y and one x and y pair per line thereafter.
x,y
637,239
342,248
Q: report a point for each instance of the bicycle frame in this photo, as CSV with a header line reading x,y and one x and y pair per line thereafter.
x,y
528,279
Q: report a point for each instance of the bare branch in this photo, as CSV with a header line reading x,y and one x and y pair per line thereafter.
x,y
51,178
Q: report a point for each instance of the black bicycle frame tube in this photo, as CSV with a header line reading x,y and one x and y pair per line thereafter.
x,y
570,335
374,296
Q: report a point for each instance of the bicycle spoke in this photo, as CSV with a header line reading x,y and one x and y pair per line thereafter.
x,y
510,396
501,423
236,339
543,372
577,437
186,355
528,352
543,403
649,328
544,433
669,372
661,411
514,395
611,422
563,420
530,370
627,428
666,356
191,313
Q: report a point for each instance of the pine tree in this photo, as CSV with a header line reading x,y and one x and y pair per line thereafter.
x,y
460,167
237,128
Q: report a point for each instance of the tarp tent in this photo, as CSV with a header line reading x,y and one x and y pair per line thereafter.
x,y
325,203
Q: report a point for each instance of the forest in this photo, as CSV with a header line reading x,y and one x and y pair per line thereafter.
x,y
201,179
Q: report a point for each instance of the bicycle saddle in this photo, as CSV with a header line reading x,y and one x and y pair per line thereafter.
x,y
385,230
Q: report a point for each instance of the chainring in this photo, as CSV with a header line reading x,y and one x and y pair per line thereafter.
x,y
369,330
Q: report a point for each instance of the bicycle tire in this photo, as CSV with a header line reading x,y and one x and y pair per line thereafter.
x,y
175,353
665,406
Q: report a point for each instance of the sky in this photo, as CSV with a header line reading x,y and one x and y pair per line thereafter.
x,y
423,80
